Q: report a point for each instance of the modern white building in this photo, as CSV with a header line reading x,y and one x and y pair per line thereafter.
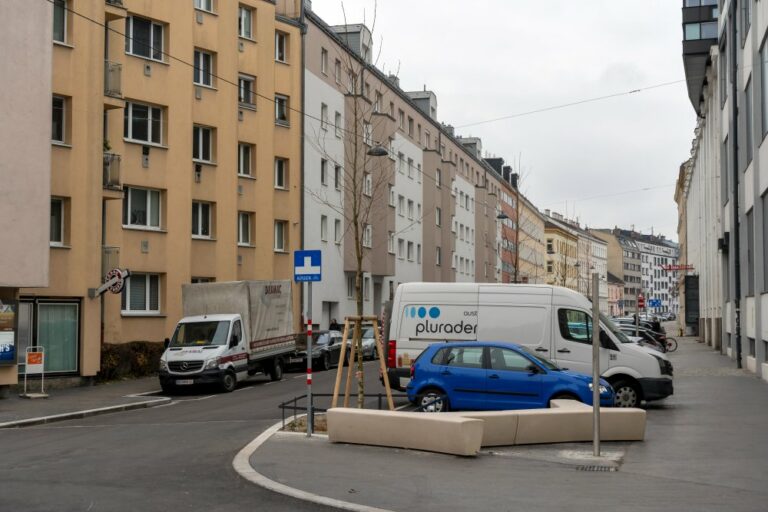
x,y
408,234
464,230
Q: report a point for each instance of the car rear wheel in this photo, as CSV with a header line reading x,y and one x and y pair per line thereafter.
x,y
626,394
430,399
325,362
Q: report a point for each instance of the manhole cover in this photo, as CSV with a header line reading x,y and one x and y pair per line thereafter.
x,y
595,467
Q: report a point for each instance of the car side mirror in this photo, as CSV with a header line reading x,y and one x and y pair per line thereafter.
x,y
166,343
532,368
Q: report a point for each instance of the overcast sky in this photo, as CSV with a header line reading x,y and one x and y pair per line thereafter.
x,y
492,58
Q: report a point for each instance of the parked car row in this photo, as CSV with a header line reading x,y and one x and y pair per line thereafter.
x,y
326,348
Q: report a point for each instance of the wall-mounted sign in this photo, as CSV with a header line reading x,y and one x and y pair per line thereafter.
x,y
7,333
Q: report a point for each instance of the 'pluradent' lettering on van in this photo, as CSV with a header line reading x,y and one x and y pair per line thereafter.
x,y
451,322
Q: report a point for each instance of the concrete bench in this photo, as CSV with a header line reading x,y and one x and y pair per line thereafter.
x,y
443,433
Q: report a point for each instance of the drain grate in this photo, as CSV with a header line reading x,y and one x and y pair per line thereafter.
x,y
597,468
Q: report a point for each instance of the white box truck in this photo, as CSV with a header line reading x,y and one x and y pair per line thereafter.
x,y
230,330
553,321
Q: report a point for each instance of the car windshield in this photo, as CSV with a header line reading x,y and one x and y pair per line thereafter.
x,y
608,323
543,361
196,334
321,338
368,333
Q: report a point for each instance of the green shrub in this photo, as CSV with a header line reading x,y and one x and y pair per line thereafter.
x,y
129,360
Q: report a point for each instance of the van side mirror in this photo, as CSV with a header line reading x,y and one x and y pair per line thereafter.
x,y
233,341
166,343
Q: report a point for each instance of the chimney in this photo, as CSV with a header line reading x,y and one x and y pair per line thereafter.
x,y
394,80
449,128
513,179
546,212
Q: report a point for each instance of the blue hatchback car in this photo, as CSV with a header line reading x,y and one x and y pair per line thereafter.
x,y
494,376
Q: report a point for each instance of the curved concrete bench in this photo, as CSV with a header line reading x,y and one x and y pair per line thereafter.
x,y
398,429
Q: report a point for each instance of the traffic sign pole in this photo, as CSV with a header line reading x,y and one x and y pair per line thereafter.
x,y
307,267
310,417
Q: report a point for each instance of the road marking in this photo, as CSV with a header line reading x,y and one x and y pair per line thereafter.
x,y
242,465
146,393
197,399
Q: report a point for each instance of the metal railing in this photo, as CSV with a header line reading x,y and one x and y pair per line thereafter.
x,y
113,79
118,3
292,405
111,176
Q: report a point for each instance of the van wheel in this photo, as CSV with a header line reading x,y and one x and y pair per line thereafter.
x,y
626,394
563,396
276,370
428,396
228,382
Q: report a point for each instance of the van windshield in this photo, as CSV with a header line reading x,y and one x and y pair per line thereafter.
x,y
608,323
198,334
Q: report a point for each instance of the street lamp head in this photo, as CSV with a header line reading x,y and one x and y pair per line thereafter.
x,y
502,216
377,151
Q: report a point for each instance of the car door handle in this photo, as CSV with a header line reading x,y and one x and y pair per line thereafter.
x,y
564,351
494,376
445,372
540,349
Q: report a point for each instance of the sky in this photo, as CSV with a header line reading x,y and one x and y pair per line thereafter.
x,y
612,162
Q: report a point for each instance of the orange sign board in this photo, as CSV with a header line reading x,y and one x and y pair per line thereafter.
x,y
34,358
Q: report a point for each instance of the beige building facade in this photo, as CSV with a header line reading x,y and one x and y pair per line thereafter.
x,y
562,255
175,154
25,169
531,244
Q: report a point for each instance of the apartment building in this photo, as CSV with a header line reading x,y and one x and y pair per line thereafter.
x,y
615,296
725,55
531,243
624,263
562,247
175,153
25,200
410,213
658,263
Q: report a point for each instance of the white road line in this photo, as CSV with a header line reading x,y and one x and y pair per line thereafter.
x,y
242,465
146,393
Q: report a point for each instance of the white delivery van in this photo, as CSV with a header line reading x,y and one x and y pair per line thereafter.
x,y
554,322
230,330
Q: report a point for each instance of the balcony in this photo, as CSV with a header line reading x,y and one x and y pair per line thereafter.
x,y
110,258
114,10
111,175
113,79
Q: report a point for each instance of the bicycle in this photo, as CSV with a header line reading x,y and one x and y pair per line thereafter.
x,y
671,344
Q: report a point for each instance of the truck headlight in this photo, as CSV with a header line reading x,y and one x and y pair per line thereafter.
x,y
212,364
163,366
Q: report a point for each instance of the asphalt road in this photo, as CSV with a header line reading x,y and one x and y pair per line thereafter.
x,y
171,457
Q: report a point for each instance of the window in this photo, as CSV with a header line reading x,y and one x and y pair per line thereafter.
x,y
337,177
244,228
367,184
749,118
201,219
141,208
400,205
751,252
323,228
367,134
58,119
410,126
377,102
410,168
202,144
765,242
575,325
550,246
245,22
391,195
464,357
205,5
57,222
141,294
549,267
281,110
438,216
410,209
337,124
337,71
509,360
281,173
410,251
281,47
438,256
697,31
401,119
392,148
350,286
323,171
401,163
246,90
418,253
143,123
245,159
438,178
324,61
337,231
144,38
400,248
323,116
367,235
60,21
281,235
367,288
391,242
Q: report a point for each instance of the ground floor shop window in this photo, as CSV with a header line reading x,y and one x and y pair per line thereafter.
x,y
55,327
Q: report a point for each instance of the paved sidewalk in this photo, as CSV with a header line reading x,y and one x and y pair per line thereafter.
x,y
705,450
71,402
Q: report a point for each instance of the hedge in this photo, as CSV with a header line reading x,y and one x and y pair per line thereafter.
x,y
129,360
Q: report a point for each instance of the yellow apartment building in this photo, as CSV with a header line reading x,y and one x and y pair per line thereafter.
x,y
175,154
562,255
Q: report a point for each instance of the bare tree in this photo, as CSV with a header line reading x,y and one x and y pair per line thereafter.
x,y
366,174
